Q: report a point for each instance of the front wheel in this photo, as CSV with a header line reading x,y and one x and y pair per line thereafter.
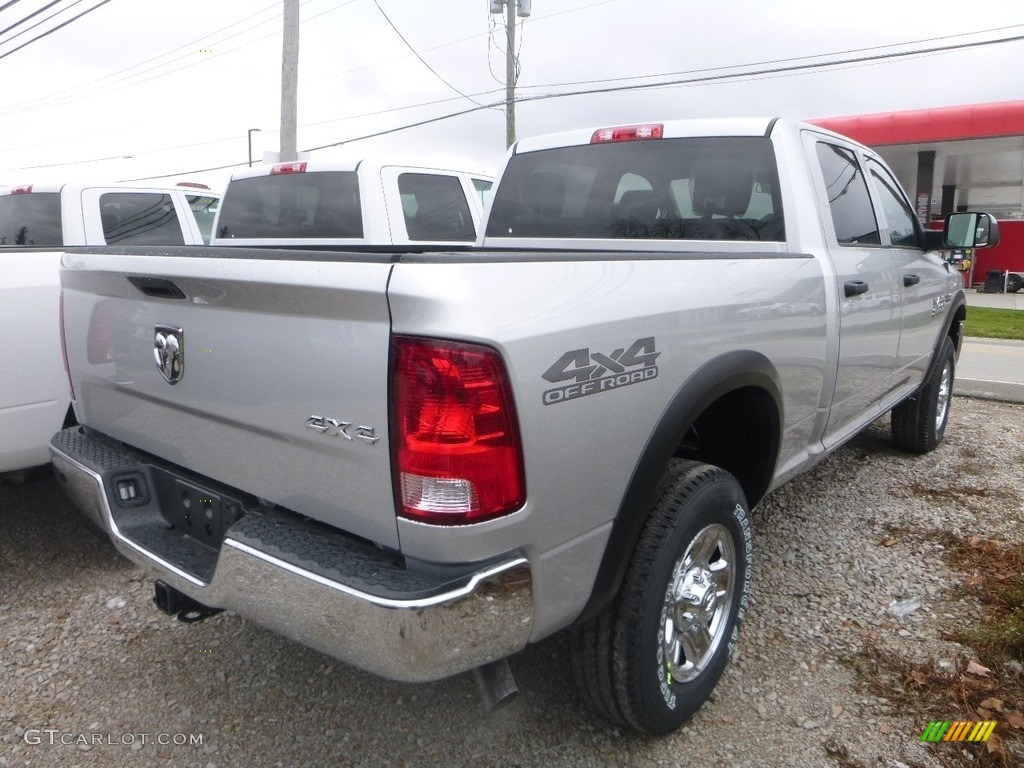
x,y
1014,283
919,423
654,656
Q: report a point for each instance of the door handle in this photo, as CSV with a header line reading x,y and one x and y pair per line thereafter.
x,y
909,280
855,287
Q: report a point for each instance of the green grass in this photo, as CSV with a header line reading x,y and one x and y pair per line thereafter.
x,y
995,323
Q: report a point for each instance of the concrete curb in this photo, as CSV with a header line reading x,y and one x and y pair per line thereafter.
x,y
1003,391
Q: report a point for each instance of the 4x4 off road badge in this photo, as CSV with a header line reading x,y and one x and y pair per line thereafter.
x,y
169,352
595,372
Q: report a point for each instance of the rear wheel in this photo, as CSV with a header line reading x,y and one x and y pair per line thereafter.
x,y
1014,283
653,656
919,423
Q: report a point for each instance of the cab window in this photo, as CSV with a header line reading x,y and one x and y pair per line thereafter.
x,y
848,198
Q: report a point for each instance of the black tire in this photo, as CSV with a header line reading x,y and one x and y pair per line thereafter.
x,y
632,659
919,422
1014,283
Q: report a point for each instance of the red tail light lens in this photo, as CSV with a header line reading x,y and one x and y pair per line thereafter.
x,y
628,133
458,454
21,189
105,318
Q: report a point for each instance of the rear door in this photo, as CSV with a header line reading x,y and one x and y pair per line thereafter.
x,y
867,295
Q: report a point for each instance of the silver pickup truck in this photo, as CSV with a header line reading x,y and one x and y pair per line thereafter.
x,y
420,461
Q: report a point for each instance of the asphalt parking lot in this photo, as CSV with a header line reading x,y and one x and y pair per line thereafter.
x,y
92,675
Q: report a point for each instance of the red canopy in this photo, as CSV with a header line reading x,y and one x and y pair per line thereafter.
x,y
977,121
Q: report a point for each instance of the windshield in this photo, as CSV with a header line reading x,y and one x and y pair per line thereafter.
x,y
691,189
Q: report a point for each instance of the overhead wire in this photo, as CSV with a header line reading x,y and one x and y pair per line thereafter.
x,y
417,55
190,46
34,13
39,23
736,76
55,29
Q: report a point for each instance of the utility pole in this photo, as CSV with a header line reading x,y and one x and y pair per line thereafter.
x,y
512,8
289,81
510,73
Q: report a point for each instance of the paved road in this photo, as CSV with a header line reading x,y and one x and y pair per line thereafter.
x,y
992,368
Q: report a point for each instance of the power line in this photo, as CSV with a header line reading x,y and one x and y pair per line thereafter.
x,y
188,45
59,26
94,92
38,23
31,15
737,76
5,6
421,59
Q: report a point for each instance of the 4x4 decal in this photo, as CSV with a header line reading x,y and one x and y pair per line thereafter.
x,y
595,372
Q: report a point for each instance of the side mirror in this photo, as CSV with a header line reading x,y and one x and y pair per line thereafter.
x,y
970,230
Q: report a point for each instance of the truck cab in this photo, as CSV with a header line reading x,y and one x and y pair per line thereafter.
x,y
328,203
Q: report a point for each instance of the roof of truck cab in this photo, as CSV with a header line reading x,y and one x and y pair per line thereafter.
x,y
78,187
724,126
371,165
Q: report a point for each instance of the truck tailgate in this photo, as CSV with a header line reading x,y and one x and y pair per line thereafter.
x,y
277,382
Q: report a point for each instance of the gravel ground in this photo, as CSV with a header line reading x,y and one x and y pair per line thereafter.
x,y
84,656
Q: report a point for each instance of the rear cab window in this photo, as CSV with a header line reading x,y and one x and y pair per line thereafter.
x,y
296,206
139,218
31,219
722,188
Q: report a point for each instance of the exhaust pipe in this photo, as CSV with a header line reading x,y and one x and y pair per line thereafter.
x,y
171,601
497,685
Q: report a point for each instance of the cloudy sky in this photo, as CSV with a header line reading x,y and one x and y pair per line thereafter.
x,y
138,89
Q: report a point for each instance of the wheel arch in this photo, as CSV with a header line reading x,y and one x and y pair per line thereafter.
x,y
728,390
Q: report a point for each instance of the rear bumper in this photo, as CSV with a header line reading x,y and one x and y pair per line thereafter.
x,y
307,581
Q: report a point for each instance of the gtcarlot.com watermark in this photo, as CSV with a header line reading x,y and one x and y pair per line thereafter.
x,y
54,736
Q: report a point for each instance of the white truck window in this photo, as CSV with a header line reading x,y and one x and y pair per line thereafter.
x,y
900,220
435,207
31,219
296,206
205,211
139,218
670,189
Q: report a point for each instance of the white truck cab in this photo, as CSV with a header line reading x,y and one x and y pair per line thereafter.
x,y
359,203
36,223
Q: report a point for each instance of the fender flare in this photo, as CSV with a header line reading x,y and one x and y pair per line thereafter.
x,y
713,380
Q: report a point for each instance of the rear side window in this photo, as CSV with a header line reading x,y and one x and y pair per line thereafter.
x,y
435,207
848,199
690,189
31,219
205,211
294,206
139,218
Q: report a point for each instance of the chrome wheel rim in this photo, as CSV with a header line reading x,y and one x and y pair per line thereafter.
x,y
697,604
942,402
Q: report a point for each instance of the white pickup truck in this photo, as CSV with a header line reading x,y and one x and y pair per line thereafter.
x,y
36,223
365,203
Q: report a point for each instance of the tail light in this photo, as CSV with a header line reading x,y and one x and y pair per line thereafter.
x,y
628,133
458,455
106,316
21,189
